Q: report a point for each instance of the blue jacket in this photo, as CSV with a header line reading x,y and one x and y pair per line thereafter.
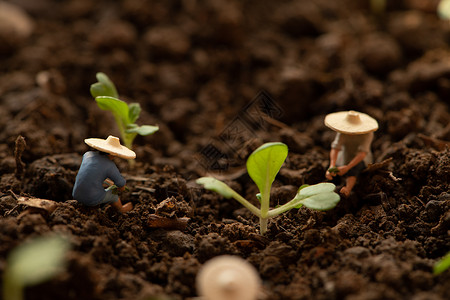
x,y
94,169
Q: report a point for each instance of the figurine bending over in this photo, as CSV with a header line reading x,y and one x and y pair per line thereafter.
x,y
350,151
98,167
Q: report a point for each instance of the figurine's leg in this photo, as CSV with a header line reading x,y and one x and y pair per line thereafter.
x,y
114,199
350,183
122,208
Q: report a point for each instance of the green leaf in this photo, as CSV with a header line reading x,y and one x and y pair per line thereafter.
x,y
324,201
264,163
217,186
132,126
302,187
37,261
221,188
310,192
315,189
442,265
118,107
104,87
333,170
134,112
141,130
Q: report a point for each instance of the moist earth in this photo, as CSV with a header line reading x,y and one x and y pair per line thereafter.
x,y
220,78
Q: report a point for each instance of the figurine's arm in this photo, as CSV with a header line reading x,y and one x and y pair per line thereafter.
x,y
356,160
336,146
333,157
108,181
115,176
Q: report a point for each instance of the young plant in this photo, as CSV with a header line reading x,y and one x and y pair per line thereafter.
x,y
262,166
33,263
333,170
107,98
442,264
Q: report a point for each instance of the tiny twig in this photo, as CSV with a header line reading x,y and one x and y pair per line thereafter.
x,y
9,212
274,122
144,188
433,142
18,151
379,165
13,195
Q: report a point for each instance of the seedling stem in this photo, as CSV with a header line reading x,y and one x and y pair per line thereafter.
x,y
262,166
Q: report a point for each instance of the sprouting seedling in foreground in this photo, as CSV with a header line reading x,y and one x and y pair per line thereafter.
x,y
262,166
107,98
442,265
32,263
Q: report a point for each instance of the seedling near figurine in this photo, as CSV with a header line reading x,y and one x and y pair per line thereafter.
x,y
96,167
442,265
228,278
262,166
350,151
32,263
333,170
107,98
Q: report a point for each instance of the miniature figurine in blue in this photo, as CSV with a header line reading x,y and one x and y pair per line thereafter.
x,y
98,167
350,151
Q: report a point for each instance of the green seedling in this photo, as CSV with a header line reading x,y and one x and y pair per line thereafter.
x,y
262,166
442,264
107,98
115,189
333,170
32,263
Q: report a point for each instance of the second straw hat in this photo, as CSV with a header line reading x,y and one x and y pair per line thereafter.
x,y
351,122
112,146
228,277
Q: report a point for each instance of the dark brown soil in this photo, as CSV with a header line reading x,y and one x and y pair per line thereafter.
x,y
220,78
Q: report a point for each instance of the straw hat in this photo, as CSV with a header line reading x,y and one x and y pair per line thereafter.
x,y
228,277
112,146
351,122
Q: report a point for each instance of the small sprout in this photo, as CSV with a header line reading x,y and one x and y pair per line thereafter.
x,y
442,265
443,9
104,87
107,98
228,277
115,189
262,166
333,170
32,263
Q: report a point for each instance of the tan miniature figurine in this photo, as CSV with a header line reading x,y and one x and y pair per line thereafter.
x,y
350,151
